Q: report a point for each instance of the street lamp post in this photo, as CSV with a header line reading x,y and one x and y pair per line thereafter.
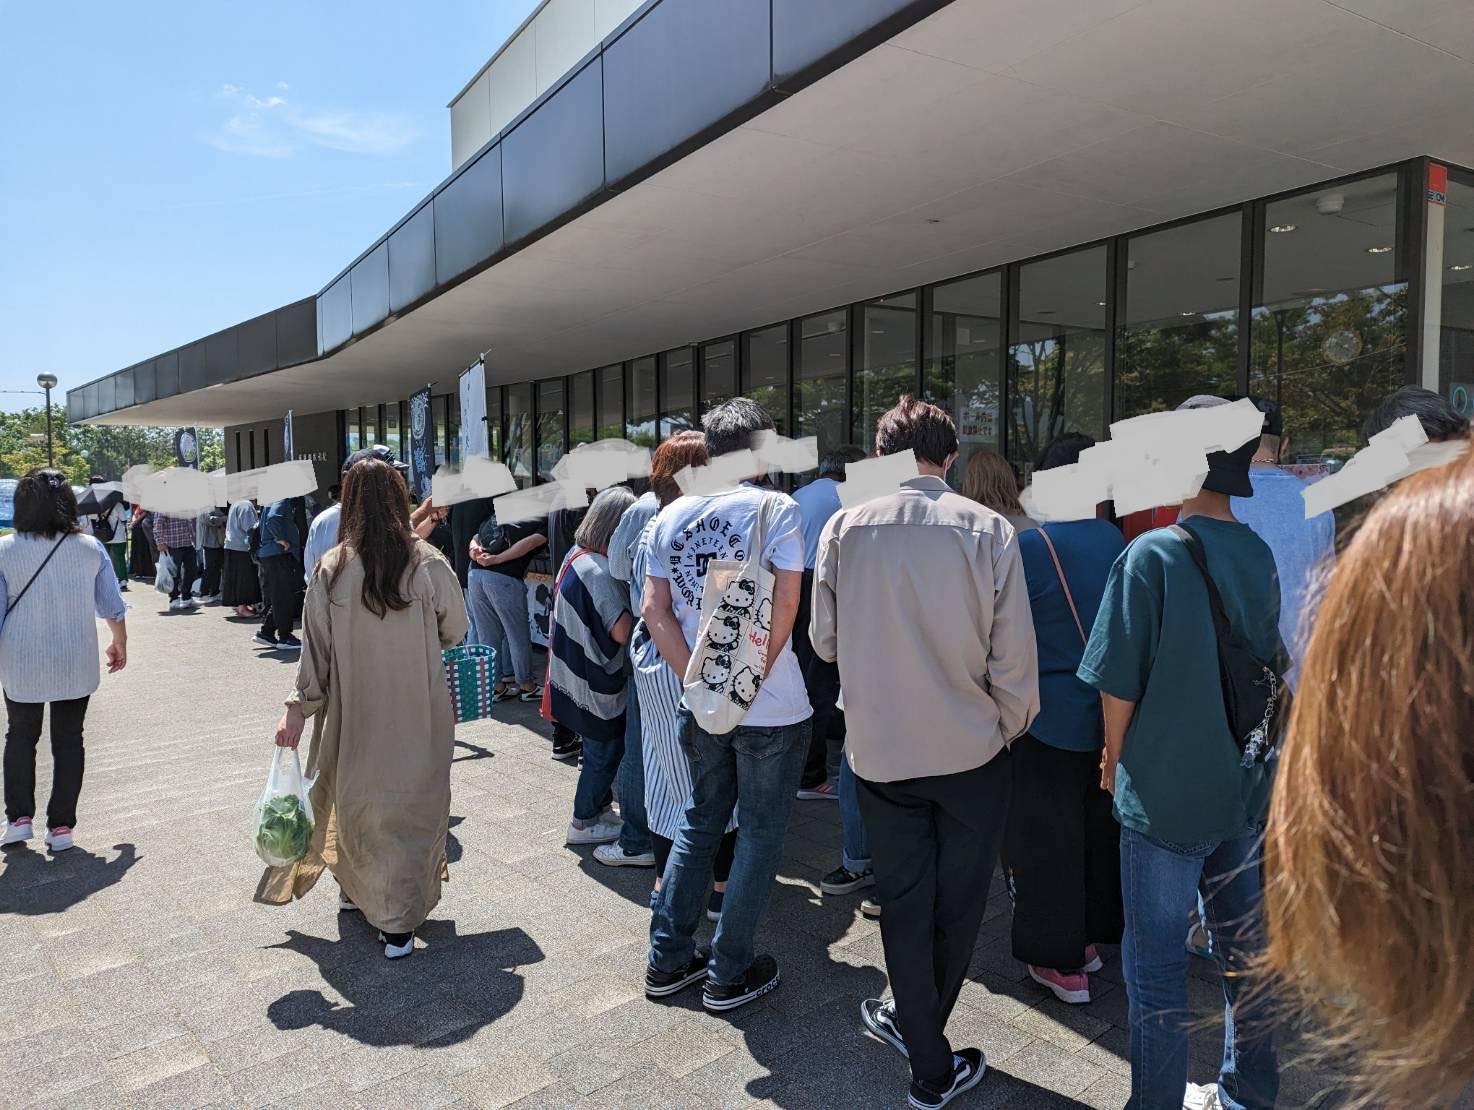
x,y
48,382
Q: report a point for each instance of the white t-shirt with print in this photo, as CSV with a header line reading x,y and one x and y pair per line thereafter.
x,y
692,531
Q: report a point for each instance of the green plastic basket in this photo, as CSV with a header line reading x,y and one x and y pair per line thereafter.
x,y
470,673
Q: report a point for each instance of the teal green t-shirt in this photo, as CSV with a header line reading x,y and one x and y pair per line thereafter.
x,y
1153,643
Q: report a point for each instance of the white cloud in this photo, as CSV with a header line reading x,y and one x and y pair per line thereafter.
x,y
275,127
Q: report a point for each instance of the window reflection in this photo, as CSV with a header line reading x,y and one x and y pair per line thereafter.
x,y
964,364
494,421
1329,335
611,402
718,373
1179,332
518,450
1456,319
765,372
888,367
819,386
551,427
1056,365
639,402
677,392
581,409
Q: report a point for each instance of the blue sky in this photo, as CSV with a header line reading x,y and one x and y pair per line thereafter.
x,y
170,168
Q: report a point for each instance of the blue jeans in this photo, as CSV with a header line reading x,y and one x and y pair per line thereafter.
x,y
499,605
1159,884
856,853
758,767
596,773
629,784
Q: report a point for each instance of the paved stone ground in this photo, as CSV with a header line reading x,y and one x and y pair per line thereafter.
x,y
137,971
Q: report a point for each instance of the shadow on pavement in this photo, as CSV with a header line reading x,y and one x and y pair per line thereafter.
x,y
442,995
476,752
34,882
453,850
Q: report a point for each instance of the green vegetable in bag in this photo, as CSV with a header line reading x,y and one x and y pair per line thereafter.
x,y
284,830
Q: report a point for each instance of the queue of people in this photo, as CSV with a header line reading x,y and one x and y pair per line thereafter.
x,y
1067,720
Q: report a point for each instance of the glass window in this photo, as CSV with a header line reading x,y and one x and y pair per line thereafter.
x,y
718,373
765,372
518,447
352,432
581,409
823,370
453,428
639,403
888,362
1056,364
611,401
677,392
1330,328
1456,310
371,425
494,421
551,427
1179,327
964,359
440,411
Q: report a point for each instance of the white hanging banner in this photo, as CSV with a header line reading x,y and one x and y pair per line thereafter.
x,y
474,439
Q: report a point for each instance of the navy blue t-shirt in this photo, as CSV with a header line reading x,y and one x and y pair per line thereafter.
x,y
1069,711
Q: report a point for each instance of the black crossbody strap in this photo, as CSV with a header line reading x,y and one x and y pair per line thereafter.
x,y
16,601
1215,600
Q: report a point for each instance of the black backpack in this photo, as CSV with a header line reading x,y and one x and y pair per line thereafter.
x,y
492,537
1256,697
103,527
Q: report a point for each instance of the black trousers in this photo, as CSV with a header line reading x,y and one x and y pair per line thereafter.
x,y
821,680
214,562
281,576
22,734
186,570
934,843
1063,855
721,866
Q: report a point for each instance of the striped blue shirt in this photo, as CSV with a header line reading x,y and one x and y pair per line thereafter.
x,y
588,671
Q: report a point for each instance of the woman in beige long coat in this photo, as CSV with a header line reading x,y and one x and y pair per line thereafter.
x,y
380,608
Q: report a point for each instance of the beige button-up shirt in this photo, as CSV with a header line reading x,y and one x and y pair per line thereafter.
x,y
920,597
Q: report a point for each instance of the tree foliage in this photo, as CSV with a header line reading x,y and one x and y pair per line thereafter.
x,y
86,449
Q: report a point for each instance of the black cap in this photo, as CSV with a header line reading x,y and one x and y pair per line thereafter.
x,y
377,451
1274,419
1228,471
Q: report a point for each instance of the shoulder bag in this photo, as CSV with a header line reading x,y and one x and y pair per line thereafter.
x,y
731,651
1256,697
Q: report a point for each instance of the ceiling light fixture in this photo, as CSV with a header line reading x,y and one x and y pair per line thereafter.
x,y
1100,304
1187,314
1460,267
1281,229
1379,250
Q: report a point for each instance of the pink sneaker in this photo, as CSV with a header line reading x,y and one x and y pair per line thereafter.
x,y
17,831
59,839
1072,986
1093,962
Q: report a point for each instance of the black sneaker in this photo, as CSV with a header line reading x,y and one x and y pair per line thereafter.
x,y
968,1067
568,752
844,881
663,984
880,1018
714,905
264,640
289,643
760,978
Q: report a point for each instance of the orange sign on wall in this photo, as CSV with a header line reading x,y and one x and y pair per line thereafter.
x,y
1437,183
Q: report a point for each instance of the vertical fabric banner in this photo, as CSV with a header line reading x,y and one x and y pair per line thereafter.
x,y
187,447
474,438
421,459
289,450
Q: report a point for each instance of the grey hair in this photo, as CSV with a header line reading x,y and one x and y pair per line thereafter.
x,y
833,461
731,425
598,524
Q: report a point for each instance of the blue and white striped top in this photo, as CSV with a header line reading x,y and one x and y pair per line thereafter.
x,y
588,670
48,645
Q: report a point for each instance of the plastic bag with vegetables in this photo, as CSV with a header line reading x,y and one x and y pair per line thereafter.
x,y
284,820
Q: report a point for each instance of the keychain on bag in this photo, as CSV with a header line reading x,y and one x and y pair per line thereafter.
x,y
284,821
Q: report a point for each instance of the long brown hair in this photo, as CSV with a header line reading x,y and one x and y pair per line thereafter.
x,y
375,529
990,481
678,452
1370,850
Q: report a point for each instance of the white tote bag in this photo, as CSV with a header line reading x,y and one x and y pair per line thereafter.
x,y
731,652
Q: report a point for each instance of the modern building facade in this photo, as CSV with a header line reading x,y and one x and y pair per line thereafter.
x,y
1043,216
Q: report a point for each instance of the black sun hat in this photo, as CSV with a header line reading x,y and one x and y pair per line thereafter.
x,y
1228,471
377,451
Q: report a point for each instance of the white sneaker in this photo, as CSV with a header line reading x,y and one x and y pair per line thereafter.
x,y
600,832
175,605
59,839
1201,1096
188,603
17,833
344,904
397,951
613,855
